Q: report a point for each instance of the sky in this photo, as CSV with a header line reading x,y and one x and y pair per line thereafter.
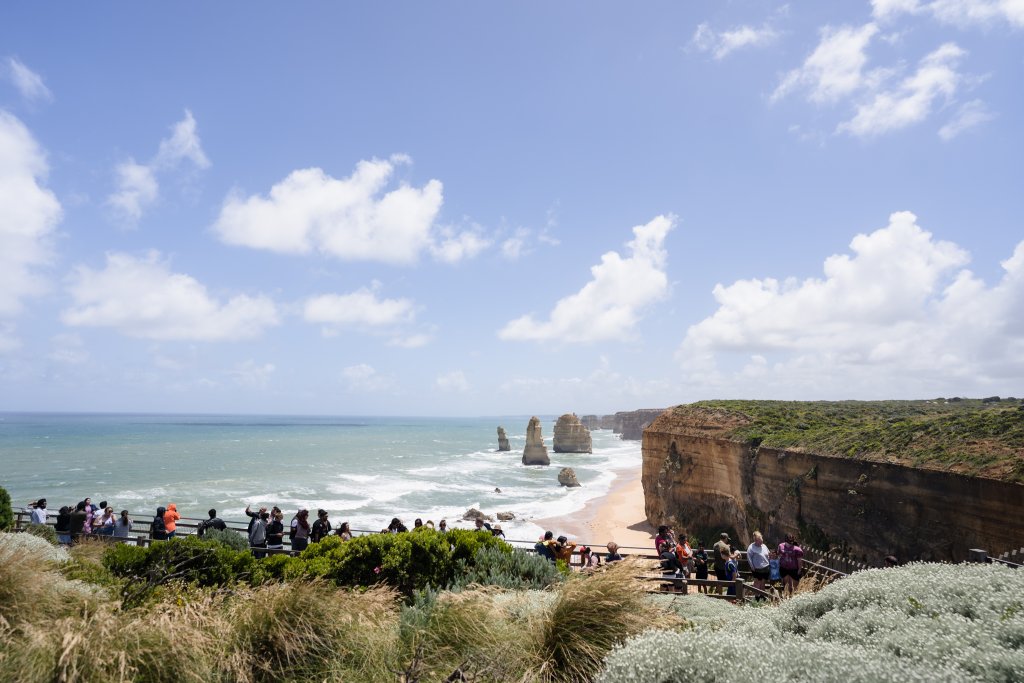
x,y
456,209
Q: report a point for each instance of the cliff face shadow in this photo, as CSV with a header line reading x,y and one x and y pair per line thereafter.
x,y
643,526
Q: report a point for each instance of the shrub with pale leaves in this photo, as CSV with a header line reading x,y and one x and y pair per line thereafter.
x,y
923,622
22,545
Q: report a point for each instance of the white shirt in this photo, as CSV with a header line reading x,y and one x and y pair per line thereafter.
x,y
757,556
39,515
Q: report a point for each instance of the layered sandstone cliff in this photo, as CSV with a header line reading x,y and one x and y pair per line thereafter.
x,y
699,478
535,452
570,436
628,424
503,444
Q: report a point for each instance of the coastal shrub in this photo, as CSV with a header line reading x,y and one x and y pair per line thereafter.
x,y
6,511
513,569
283,568
405,561
465,543
189,559
43,531
227,537
918,622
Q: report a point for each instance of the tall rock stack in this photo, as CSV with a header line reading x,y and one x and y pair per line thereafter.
x,y
535,453
571,436
503,440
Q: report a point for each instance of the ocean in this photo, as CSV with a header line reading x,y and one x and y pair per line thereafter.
x,y
363,470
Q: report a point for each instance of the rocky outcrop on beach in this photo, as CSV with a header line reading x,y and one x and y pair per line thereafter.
x,y
567,477
503,444
535,453
473,513
505,516
571,436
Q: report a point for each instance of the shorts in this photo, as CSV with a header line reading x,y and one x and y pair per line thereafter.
x,y
792,573
720,573
761,574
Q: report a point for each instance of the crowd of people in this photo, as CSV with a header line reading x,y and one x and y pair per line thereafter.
x,y
83,519
778,567
561,548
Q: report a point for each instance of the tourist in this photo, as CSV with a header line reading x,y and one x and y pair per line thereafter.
x,y
721,546
77,521
442,526
417,524
589,558
345,532
430,524
396,526
300,530
757,556
564,548
253,516
732,569
171,518
613,552
321,527
685,554
38,511
122,525
496,531
63,526
157,528
700,565
275,531
258,535
664,534
773,567
481,525
790,554
89,512
891,561
669,559
104,525
545,547
214,522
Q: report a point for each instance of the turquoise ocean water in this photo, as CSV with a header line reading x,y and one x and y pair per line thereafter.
x,y
364,470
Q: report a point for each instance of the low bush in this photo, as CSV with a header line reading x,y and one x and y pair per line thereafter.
x,y
43,531
6,511
189,559
512,569
226,537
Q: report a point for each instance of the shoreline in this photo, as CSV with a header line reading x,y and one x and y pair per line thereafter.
x,y
617,516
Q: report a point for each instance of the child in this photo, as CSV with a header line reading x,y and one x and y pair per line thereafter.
x,y
700,565
773,567
732,564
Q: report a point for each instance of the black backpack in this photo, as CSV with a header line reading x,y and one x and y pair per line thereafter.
x,y
157,529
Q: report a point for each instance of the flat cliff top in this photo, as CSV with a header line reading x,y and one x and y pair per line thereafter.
x,y
977,437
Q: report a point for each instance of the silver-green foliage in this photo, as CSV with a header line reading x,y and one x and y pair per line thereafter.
x,y
922,622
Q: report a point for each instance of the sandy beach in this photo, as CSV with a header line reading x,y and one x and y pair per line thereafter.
x,y
618,517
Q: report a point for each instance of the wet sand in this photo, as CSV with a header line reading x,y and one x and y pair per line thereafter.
x,y
618,517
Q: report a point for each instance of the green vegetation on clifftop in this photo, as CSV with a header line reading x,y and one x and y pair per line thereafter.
x,y
978,437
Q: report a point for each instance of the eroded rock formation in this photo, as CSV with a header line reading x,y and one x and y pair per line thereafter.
x,y
567,477
505,516
697,479
570,436
535,453
503,440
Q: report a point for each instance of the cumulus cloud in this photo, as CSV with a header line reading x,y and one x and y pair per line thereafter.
x,y
353,218
29,212
412,341
452,246
970,115
610,305
361,308
363,378
137,184
901,315
911,101
141,297
835,69
454,382
722,43
252,375
961,13
28,82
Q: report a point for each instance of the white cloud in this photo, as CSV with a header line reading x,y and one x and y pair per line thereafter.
x,y
28,82
29,213
137,189
141,297
251,375
351,218
720,44
361,308
969,115
512,248
901,316
961,13
609,306
364,378
137,184
835,69
522,241
912,99
412,341
452,246
454,382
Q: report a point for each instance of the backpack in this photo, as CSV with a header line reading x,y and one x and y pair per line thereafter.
x,y
258,535
158,530
292,530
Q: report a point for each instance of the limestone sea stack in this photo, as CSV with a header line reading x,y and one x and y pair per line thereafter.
x,y
535,453
567,477
571,436
503,440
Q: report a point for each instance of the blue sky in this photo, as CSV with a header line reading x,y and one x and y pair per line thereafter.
x,y
471,209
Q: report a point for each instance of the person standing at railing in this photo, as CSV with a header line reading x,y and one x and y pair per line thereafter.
x,y
700,565
300,530
171,518
38,511
77,522
214,522
321,527
613,552
104,525
275,531
123,525
757,556
790,555
685,554
345,532
63,526
258,535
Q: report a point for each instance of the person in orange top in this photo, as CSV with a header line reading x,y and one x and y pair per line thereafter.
x,y
685,553
171,517
563,549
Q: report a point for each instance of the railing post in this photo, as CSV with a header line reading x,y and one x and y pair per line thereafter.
x,y
739,589
977,555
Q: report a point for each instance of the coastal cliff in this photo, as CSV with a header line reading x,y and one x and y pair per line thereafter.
x,y
628,424
708,469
